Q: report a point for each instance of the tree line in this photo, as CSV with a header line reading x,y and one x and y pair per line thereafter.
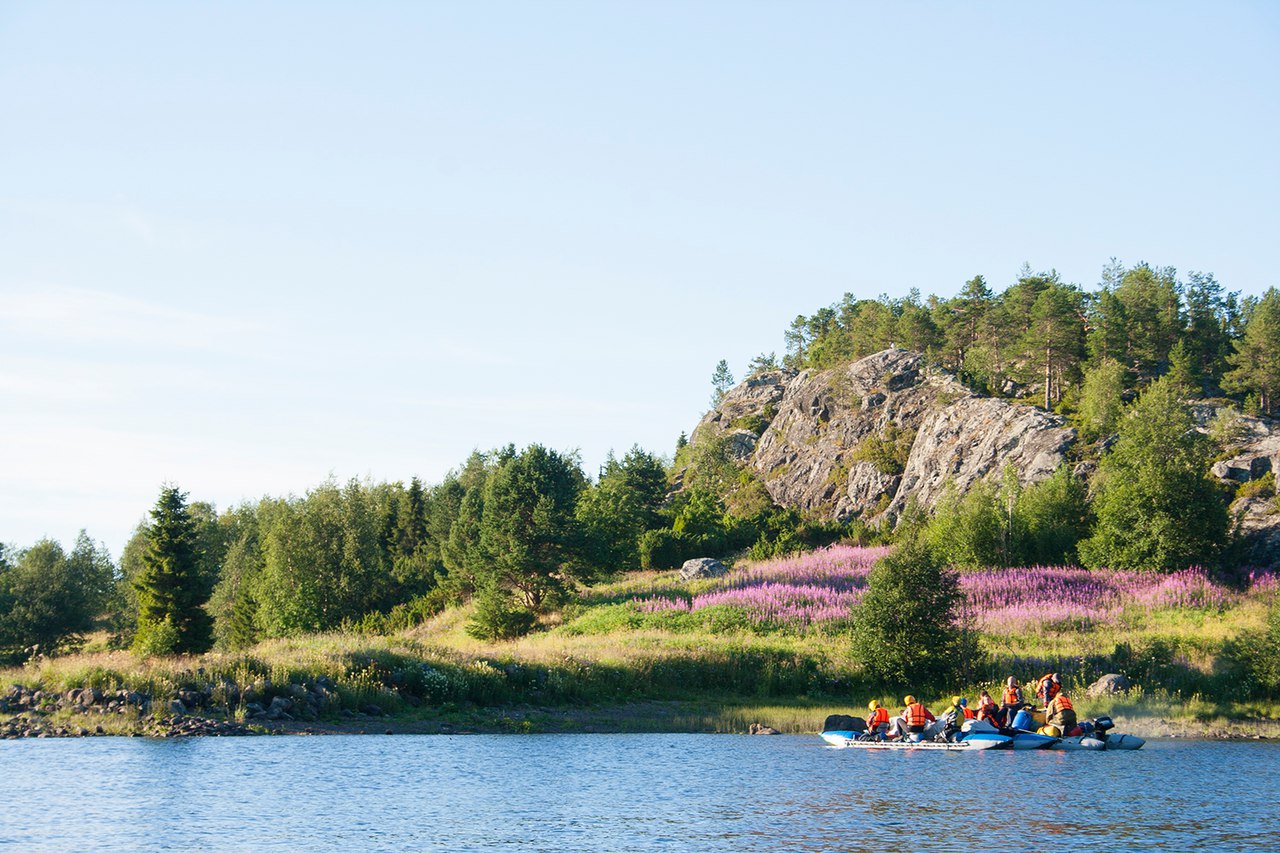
x,y
517,531
1141,322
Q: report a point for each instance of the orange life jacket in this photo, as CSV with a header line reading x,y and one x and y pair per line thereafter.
x,y
968,715
987,711
916,715
879,718
1012,696
1047,689
1060,703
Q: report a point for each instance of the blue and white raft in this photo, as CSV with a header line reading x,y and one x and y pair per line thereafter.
x,y
848,732
844,731
1097,735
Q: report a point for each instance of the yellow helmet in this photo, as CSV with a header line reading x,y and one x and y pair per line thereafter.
x,y
872,705
955,700
908,700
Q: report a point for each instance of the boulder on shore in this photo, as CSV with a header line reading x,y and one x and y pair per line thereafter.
x,y
702,567
1109,685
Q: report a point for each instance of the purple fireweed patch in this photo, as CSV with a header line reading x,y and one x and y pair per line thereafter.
x,y
823,586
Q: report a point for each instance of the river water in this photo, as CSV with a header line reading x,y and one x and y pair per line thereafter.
x,y
626,793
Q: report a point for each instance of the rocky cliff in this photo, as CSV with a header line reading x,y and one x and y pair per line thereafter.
x,y
1255,458
863,439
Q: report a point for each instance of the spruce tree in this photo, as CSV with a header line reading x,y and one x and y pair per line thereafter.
x,y
171,614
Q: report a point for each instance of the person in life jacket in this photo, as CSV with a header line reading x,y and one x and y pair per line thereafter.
x,y
1060,712
1012,700
915,717
969,713
988,709
877,719
953,718
1047,687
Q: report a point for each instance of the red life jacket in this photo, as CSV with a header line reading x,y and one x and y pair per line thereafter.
x,y
916,715
968,715
879,718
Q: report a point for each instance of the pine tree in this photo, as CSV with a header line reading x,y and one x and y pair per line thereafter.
x,y
721,381
171,614
1054,340
1255,364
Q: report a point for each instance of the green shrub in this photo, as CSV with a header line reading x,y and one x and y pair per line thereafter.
x,y
496,617
752,423
907,627
887,451
1264,486
155,638
661,549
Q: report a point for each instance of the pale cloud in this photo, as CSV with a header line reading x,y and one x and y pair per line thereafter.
x,y
59,314
139,225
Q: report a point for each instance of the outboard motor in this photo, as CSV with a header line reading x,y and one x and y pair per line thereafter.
x,y
1103,725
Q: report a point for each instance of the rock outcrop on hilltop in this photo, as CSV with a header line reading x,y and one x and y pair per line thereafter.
x,y
864,439
1256,514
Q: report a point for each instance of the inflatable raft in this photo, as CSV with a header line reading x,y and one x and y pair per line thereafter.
x,y
1097,735
845,732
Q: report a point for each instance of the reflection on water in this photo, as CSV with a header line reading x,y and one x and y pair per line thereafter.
x,y
624,793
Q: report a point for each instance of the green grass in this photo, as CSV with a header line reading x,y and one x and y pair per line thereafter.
x,y
704,671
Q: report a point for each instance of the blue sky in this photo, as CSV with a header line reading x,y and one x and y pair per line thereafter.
x,y
248,246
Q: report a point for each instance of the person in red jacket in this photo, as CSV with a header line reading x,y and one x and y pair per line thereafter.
x,y
1061,713
1047,687
988,709
1012,701
878,719
914,719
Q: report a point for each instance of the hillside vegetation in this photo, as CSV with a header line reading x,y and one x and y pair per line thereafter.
x,y
1042,426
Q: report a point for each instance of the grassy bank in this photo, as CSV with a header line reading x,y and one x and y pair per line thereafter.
x,y
769,643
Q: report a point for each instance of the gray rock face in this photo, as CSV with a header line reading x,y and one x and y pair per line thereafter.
x,y
1255,457
1257,522
836,440
1108,685
976,438
702,567
1256,517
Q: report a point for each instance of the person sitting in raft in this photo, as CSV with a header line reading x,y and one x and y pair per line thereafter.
x,y
969,713
1013,700
1061,713
1047,687
988,709
878,719
914,719
953,718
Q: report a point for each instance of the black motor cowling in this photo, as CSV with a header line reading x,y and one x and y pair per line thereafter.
x,y
844,723
1103,724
